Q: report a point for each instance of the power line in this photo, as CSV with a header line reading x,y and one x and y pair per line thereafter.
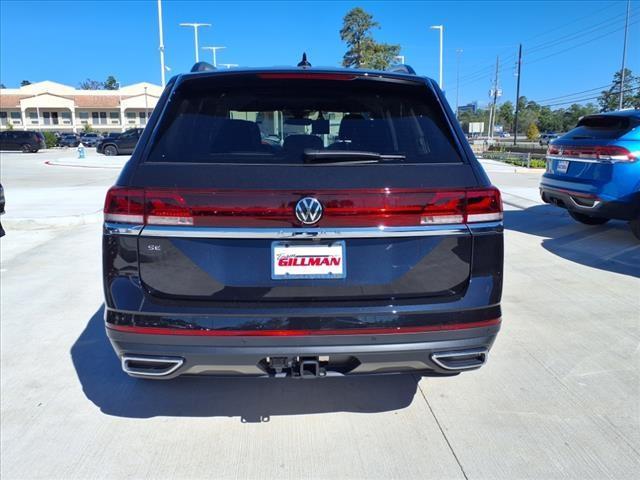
x,y
536,60
581,33
490,67
560,97
487,71
578,100
578,45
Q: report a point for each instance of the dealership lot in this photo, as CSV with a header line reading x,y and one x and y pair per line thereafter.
x,y
559,398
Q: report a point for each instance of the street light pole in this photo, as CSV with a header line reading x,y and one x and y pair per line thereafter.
x,y
146,107
441,28
624,56
195,34
213,50
161,47
458,52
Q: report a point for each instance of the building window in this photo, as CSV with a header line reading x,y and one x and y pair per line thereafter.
x,y
3,118
131,117
50,118
99,118
33,118
66,118
143,118
16,118
114,117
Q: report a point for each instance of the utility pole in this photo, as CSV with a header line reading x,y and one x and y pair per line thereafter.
x,y
441,29
495,99
458,52
624,55
213,50
161,47
195,34
515,120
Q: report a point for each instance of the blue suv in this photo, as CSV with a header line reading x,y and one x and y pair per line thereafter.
x,y
594,170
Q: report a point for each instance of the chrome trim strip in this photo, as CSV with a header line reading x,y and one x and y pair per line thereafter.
x,y
306,233
576,159
112,228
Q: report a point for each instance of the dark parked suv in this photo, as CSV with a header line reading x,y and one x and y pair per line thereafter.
x,y
25,141
368,240
120,144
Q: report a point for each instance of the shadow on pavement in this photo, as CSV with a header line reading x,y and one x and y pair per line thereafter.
x,y
251,399
610,247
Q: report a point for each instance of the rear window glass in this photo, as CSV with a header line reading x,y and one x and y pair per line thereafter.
x,y
601,126
296,121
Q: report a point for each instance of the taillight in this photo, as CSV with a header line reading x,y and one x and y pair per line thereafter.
x,y
615,154
166,208
553,150
253,208
608,153
124,205
483,205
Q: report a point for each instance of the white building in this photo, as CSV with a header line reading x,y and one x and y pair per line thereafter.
x,y
51,106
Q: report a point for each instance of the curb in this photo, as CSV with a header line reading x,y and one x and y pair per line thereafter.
x,y
51,222
54,163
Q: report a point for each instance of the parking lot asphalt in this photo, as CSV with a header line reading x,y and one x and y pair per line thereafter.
x,y
559,397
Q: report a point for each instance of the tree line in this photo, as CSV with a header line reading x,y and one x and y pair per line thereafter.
x,y
534,117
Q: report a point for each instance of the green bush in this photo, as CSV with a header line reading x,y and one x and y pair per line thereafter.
x,y
50,139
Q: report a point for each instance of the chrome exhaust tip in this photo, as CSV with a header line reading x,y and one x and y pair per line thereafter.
x,y
461,359
150,366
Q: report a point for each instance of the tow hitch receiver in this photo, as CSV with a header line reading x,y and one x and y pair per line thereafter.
x,y
309,368
296,367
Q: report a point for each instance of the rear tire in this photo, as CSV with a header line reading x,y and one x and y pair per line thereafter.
x,y
110,150
635,227
26,148
587,219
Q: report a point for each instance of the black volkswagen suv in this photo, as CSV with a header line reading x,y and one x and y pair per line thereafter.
x,y
364,237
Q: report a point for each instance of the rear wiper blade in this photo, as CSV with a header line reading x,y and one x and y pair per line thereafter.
x,y
346,156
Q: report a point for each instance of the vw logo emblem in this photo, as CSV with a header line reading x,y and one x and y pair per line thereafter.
x,y
308,210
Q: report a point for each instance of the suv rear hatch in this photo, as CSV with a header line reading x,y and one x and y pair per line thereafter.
x,y
235,161
586,154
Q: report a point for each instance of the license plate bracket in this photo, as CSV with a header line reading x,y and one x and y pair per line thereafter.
x,y
291,260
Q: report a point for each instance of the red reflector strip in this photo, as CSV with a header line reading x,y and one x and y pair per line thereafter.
x,y
385,207
301,333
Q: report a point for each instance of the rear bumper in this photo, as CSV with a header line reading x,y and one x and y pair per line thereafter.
x,y
591,204
334,354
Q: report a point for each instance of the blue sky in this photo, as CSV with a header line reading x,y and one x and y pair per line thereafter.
x,y
568,46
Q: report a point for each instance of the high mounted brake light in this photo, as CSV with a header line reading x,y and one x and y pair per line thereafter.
x,y
262,208
306,76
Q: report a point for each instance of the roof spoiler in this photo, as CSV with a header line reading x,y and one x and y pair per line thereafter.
x,y
203,67
401,68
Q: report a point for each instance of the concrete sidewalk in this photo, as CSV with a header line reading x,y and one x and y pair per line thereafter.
x,y
48,189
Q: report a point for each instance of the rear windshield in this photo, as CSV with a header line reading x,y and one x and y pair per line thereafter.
x,y
602,126
296,121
